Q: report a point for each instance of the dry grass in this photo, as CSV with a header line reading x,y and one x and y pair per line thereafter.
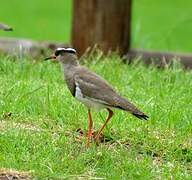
x,y
10,174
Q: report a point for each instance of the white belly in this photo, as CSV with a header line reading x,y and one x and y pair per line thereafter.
x,y
87,101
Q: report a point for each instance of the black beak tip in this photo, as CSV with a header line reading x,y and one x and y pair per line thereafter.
x,y
46,59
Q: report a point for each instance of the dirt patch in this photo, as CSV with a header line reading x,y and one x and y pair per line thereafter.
x,y
9,174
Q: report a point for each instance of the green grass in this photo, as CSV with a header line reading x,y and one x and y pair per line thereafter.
x,y
158,25
40,134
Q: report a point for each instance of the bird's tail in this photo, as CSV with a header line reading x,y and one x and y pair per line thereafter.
x,y
141,115
127,106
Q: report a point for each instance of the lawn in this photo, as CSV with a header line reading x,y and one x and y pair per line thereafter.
x,y
39,117
40,134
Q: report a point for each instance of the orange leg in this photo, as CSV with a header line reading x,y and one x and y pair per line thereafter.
x,y
106,121
89,132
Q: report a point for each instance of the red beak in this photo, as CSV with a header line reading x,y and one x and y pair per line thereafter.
x,y
50,57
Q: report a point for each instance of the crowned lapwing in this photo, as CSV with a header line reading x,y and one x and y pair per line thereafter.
x,y
91,90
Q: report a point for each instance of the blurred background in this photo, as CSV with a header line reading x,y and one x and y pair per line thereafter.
x,y
156,25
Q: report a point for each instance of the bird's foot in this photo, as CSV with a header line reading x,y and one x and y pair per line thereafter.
x,y
93,138
98,138
79,135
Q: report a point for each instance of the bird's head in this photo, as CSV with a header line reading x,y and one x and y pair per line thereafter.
x,y
64,55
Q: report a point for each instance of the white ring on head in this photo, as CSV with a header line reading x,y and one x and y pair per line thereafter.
x,y
70,49
60,49
66,49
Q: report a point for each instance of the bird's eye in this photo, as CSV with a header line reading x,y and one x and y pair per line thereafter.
x,y
57,53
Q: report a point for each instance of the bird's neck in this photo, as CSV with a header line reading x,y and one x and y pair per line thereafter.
x,y
69,70
69,67
69,63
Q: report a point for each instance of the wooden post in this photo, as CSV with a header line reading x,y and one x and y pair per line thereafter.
x,y
105,23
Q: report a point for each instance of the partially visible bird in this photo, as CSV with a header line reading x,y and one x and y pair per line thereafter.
x,y
5,27
91,90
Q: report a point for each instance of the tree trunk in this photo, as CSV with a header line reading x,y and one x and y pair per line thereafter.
x,y
105,23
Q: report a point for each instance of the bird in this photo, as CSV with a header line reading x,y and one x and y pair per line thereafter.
x,y
5,27
91,90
